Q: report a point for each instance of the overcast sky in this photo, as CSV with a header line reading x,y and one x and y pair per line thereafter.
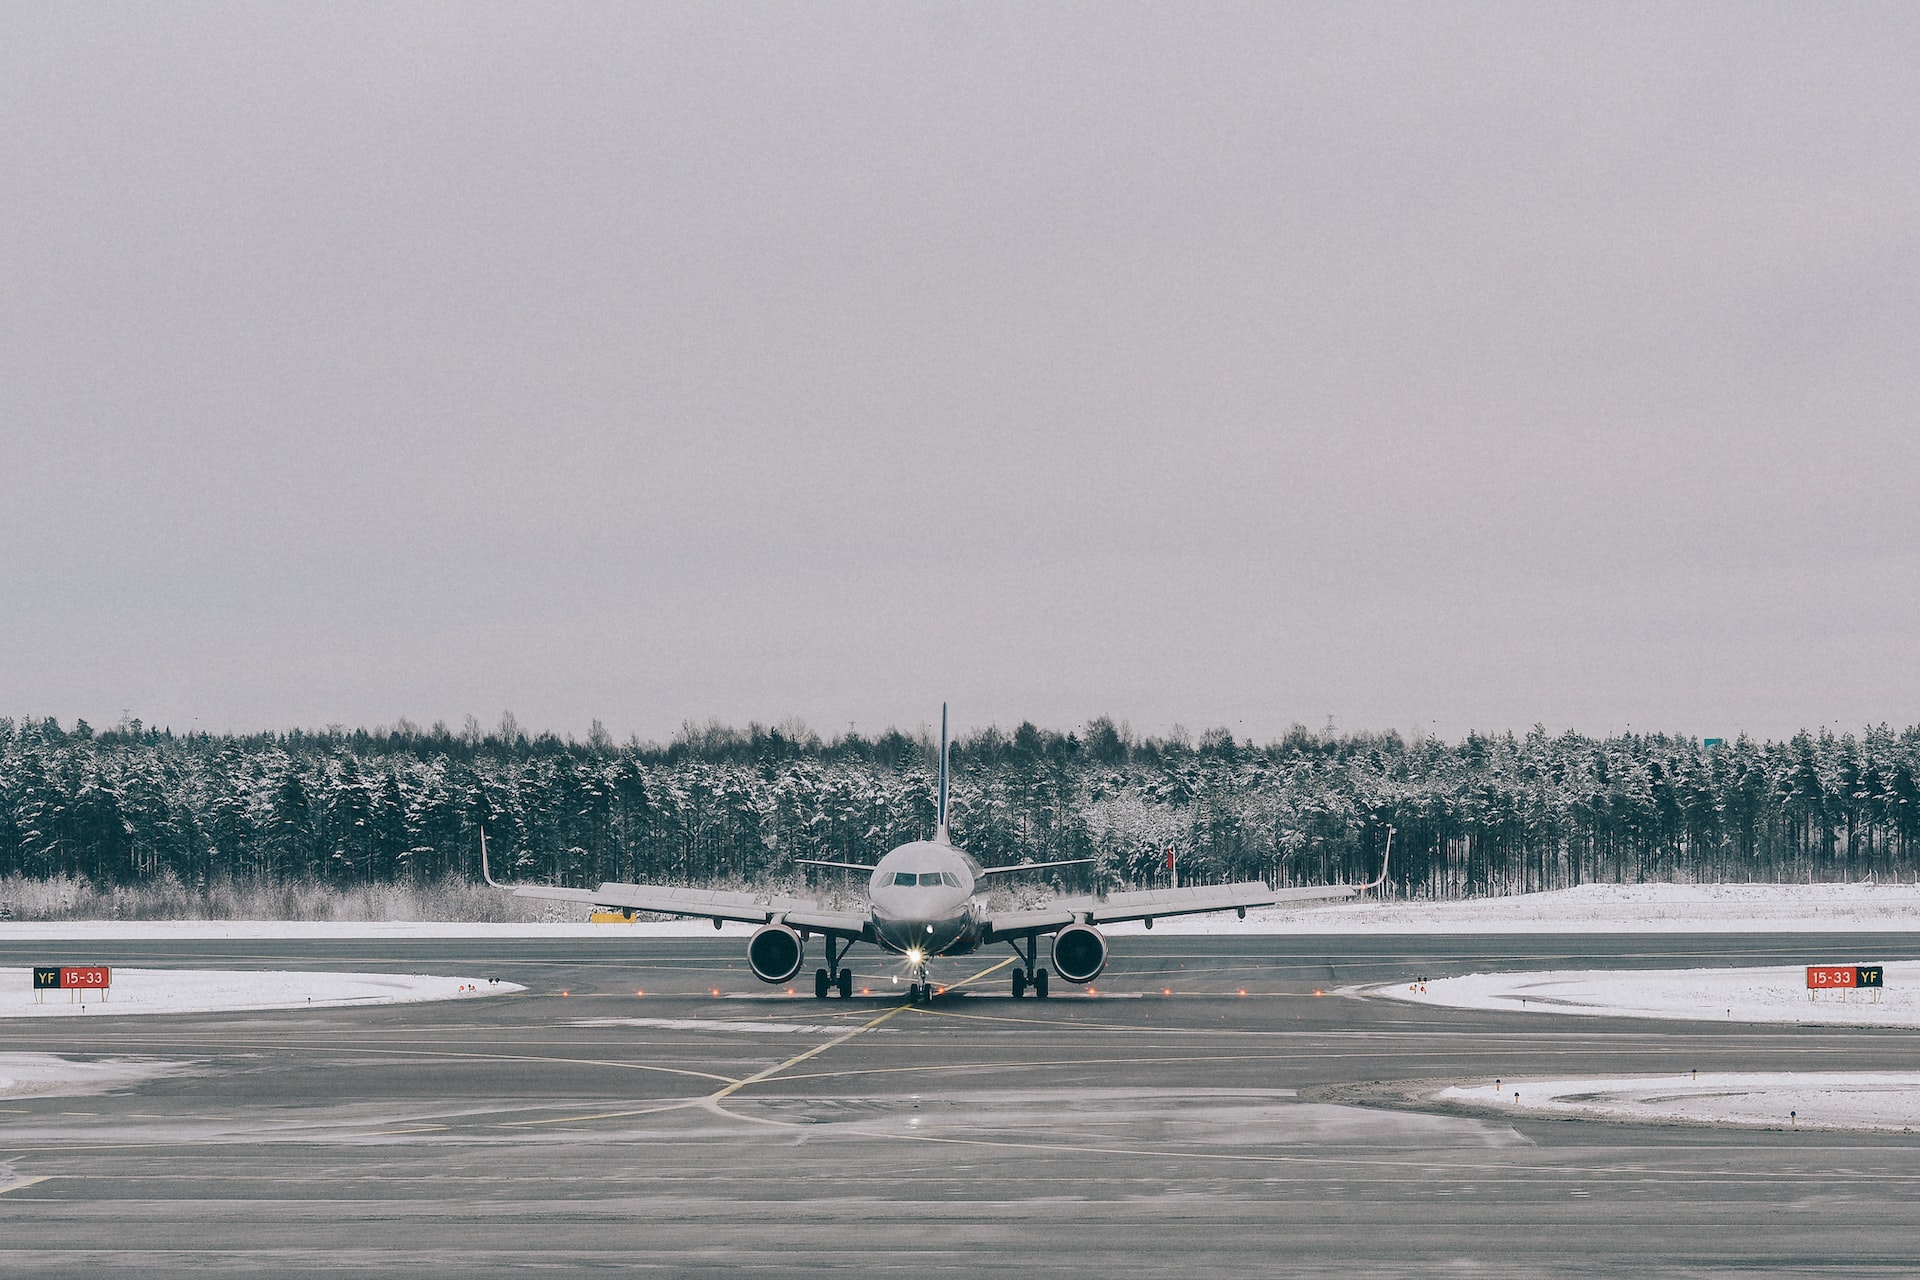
x,y
1426,367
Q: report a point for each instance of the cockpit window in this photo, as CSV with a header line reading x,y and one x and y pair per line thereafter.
x,y
926,878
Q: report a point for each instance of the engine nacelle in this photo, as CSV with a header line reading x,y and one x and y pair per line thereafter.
x,y
775,953
1079,953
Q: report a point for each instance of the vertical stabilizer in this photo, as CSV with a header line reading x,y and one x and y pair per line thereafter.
x,y
940,832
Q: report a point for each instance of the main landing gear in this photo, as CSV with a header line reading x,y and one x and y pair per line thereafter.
x,y
1032,978
833,977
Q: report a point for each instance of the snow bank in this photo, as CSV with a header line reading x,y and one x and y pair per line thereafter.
x,y
1592,908
203,991
1603,908
1773,994
1771,1099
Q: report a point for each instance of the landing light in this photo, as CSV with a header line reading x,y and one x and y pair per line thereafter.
x,y
915,955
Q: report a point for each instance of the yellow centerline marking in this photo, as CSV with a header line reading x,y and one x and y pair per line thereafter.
x,y
712,1101
21,1184
604,1115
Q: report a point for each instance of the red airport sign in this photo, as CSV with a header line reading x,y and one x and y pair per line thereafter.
x,y
72,977
1830,977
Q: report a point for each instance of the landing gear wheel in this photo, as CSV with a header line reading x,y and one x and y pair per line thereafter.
x,y
1019,982
845,984
1040,983
819,984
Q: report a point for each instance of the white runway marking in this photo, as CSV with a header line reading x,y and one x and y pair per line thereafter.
x,y
1866,1100
704,1024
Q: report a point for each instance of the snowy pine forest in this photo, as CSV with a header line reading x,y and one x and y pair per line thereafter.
x,y
138,821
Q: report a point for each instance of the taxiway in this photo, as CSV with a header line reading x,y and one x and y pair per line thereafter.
x,y
621,1114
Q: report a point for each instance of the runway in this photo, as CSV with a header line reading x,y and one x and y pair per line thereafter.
x,y
1168,1125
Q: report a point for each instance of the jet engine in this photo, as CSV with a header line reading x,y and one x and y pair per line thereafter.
x,y
1079,953
775,953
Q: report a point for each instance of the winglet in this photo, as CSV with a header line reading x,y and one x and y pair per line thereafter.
x,y
940,831
1381,879
485,873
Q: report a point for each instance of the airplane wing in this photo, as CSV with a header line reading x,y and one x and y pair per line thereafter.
x,y
1150,904
713,904
842,924
1031,866
1018,924
669,900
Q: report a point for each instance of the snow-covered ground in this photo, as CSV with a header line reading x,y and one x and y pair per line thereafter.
x,y
1593,908
1774,994
1771,1099
1607,908
28,1075
204,991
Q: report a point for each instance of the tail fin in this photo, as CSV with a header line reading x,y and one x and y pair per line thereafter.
x,y
940,832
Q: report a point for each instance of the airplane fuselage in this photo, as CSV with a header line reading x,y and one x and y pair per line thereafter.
x,y
922,900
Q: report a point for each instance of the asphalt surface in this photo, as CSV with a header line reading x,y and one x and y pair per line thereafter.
x,y
1168,1125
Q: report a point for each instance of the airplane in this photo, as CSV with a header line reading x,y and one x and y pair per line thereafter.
x,y
924,901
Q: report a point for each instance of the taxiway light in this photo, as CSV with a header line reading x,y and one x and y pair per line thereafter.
x,y
866,991
1243,991
639,993
566,993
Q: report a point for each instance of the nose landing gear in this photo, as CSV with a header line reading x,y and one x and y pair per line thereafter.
x,y
919,991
